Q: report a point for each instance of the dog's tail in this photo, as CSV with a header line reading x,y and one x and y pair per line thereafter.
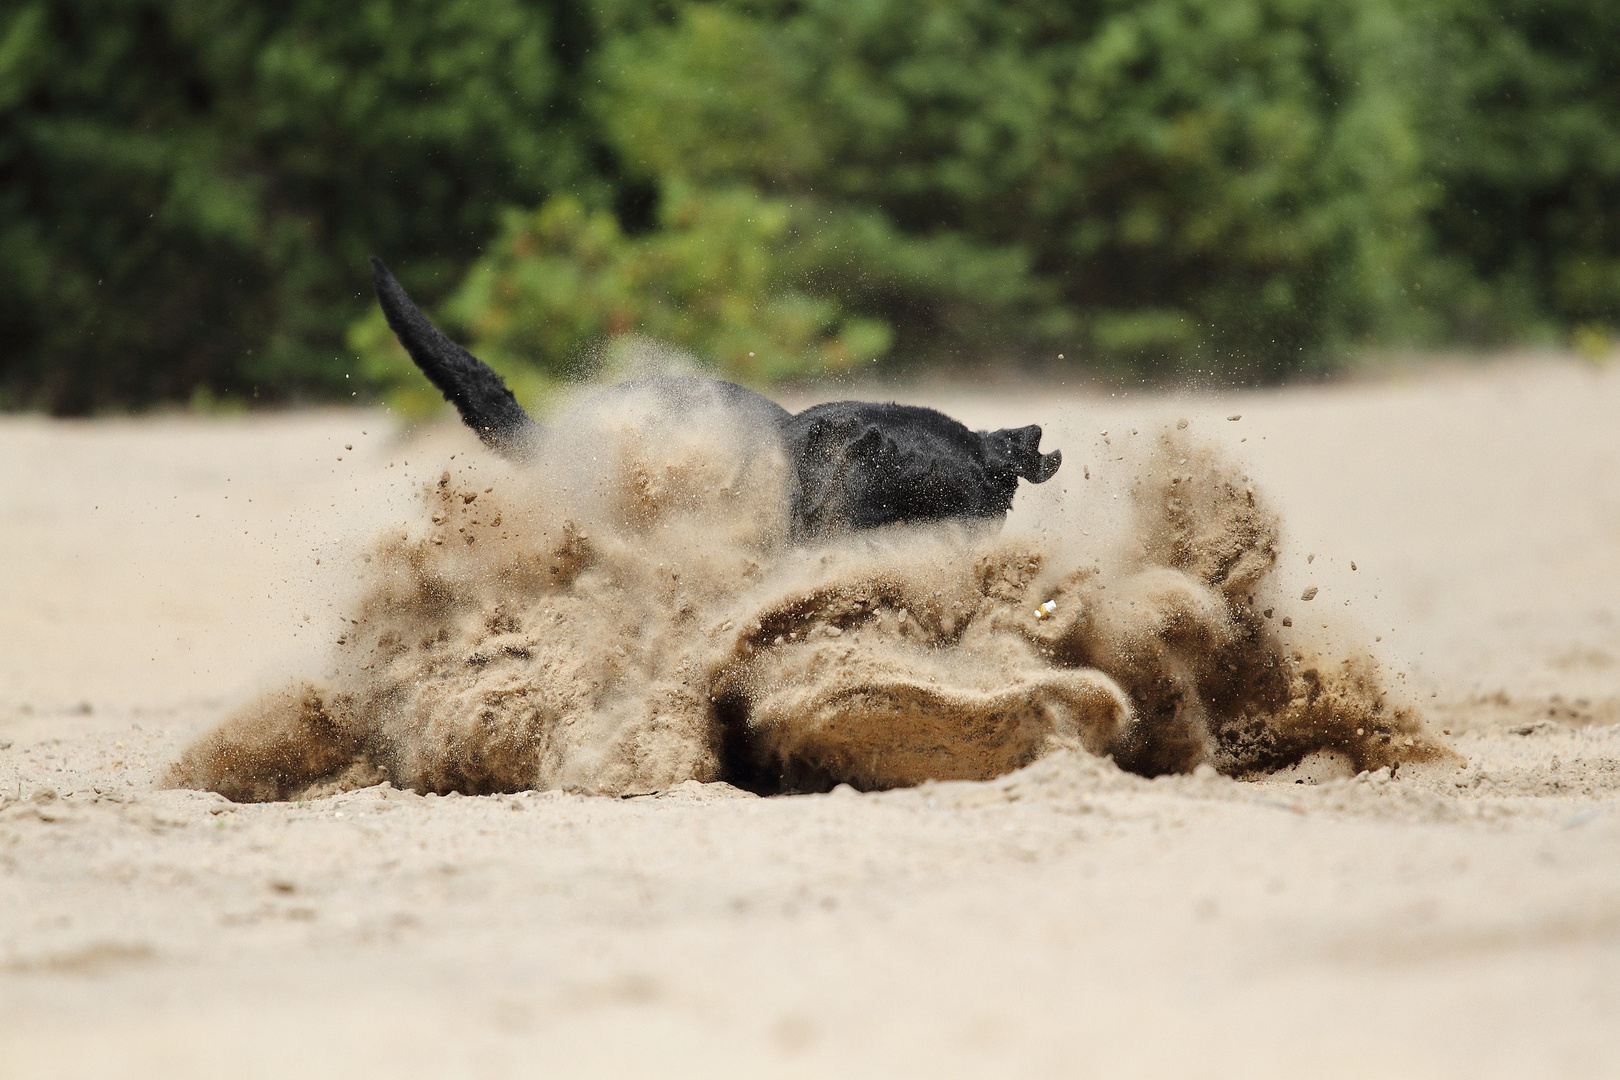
x,y
477,392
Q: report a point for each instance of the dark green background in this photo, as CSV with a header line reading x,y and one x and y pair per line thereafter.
x,y
1250,188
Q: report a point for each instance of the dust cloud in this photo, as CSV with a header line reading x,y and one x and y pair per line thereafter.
x,y
625,613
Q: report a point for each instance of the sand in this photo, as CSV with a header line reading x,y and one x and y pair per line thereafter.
x,y
1461,918
622,611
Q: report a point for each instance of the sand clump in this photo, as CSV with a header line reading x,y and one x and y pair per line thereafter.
x,y
625,614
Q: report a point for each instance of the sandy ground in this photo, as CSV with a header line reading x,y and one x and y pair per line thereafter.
x,y
1066,920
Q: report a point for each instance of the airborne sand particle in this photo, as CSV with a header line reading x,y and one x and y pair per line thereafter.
x,y
642,621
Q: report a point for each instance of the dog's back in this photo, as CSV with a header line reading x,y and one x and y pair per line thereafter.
x,y
855,464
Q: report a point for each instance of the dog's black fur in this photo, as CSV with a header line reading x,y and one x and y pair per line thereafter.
x,y
860,465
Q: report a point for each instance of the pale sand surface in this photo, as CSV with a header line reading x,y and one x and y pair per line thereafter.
x,y
1066,920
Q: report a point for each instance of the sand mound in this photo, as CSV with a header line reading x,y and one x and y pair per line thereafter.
x,y
625,614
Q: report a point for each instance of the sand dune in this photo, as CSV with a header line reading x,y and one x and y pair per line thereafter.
x,y
1456,919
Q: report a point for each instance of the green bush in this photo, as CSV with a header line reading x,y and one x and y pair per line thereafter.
x,y
715,278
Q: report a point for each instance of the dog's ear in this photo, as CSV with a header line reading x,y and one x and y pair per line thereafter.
x,y
1018,451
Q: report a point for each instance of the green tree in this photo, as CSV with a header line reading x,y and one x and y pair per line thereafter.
x,y
193,187
1221,183
1527,152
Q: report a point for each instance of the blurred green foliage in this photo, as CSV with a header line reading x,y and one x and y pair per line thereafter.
x,y
191,187
1200,182
716,276
1526,151
1248,188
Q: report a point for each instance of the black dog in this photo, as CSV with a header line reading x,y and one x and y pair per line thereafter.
x,y
860,464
